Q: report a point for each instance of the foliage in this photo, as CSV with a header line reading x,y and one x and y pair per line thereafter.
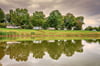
x,y
38,18
69,21
90,28
45,25
20,17
79,23
55,19
8,18
3,25
97,28
2,16
72,22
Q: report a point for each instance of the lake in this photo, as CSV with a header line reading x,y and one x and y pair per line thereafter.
x,y
50,53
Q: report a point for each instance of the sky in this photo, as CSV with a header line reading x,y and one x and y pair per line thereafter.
x,y
90,9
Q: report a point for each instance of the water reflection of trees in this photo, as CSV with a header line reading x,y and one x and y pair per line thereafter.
x,y
72,47
0,64
20,52
37,49
93,40
2,49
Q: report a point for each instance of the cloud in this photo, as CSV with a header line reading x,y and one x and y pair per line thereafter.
x,y
3,2
92,21
34,6
42,1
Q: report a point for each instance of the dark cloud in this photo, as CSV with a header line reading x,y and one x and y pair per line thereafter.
x,y
88,7
20,3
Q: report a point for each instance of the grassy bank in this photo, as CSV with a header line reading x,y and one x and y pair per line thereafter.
x,y
29,34
45,38
48,32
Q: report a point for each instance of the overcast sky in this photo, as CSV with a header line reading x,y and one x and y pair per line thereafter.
x,y
90,9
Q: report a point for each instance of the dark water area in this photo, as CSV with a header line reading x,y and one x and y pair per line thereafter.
x,y
50,53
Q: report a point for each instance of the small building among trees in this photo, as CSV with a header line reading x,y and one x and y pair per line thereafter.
x,y
37,27
51,28
10,26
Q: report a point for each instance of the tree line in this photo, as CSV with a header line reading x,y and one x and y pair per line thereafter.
x,y
90,28
21,17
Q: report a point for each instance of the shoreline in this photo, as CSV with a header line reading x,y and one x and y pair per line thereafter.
x,y
89,35
5,32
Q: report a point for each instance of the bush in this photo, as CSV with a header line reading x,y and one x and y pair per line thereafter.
x,y
89,28
3,25
92,28
97,28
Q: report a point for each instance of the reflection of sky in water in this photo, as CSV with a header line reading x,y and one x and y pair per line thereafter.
x,y
89,57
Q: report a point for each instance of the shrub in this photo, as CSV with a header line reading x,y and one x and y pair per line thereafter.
x,y
89,28
3,25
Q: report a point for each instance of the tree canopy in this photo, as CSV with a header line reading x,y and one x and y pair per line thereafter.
x,y
69,21
38,18
55,19
21,17
2,16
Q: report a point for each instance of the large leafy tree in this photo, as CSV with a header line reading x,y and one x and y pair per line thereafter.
x,y
79,23
38,18
55,19
45,25
19,17
2,16
69,21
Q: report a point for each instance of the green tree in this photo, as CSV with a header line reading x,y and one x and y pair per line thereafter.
x,y
79,23
7,16
89,28
19,17
55,19
11,19
69,21
38,18
97,28
2,16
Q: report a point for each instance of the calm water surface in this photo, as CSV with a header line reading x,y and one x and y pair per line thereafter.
x,y
50,53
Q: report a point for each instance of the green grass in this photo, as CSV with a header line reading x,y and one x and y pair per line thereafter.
x,y
44,38
48,32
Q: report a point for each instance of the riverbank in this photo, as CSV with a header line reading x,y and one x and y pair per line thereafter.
x,y
50,32
29,34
